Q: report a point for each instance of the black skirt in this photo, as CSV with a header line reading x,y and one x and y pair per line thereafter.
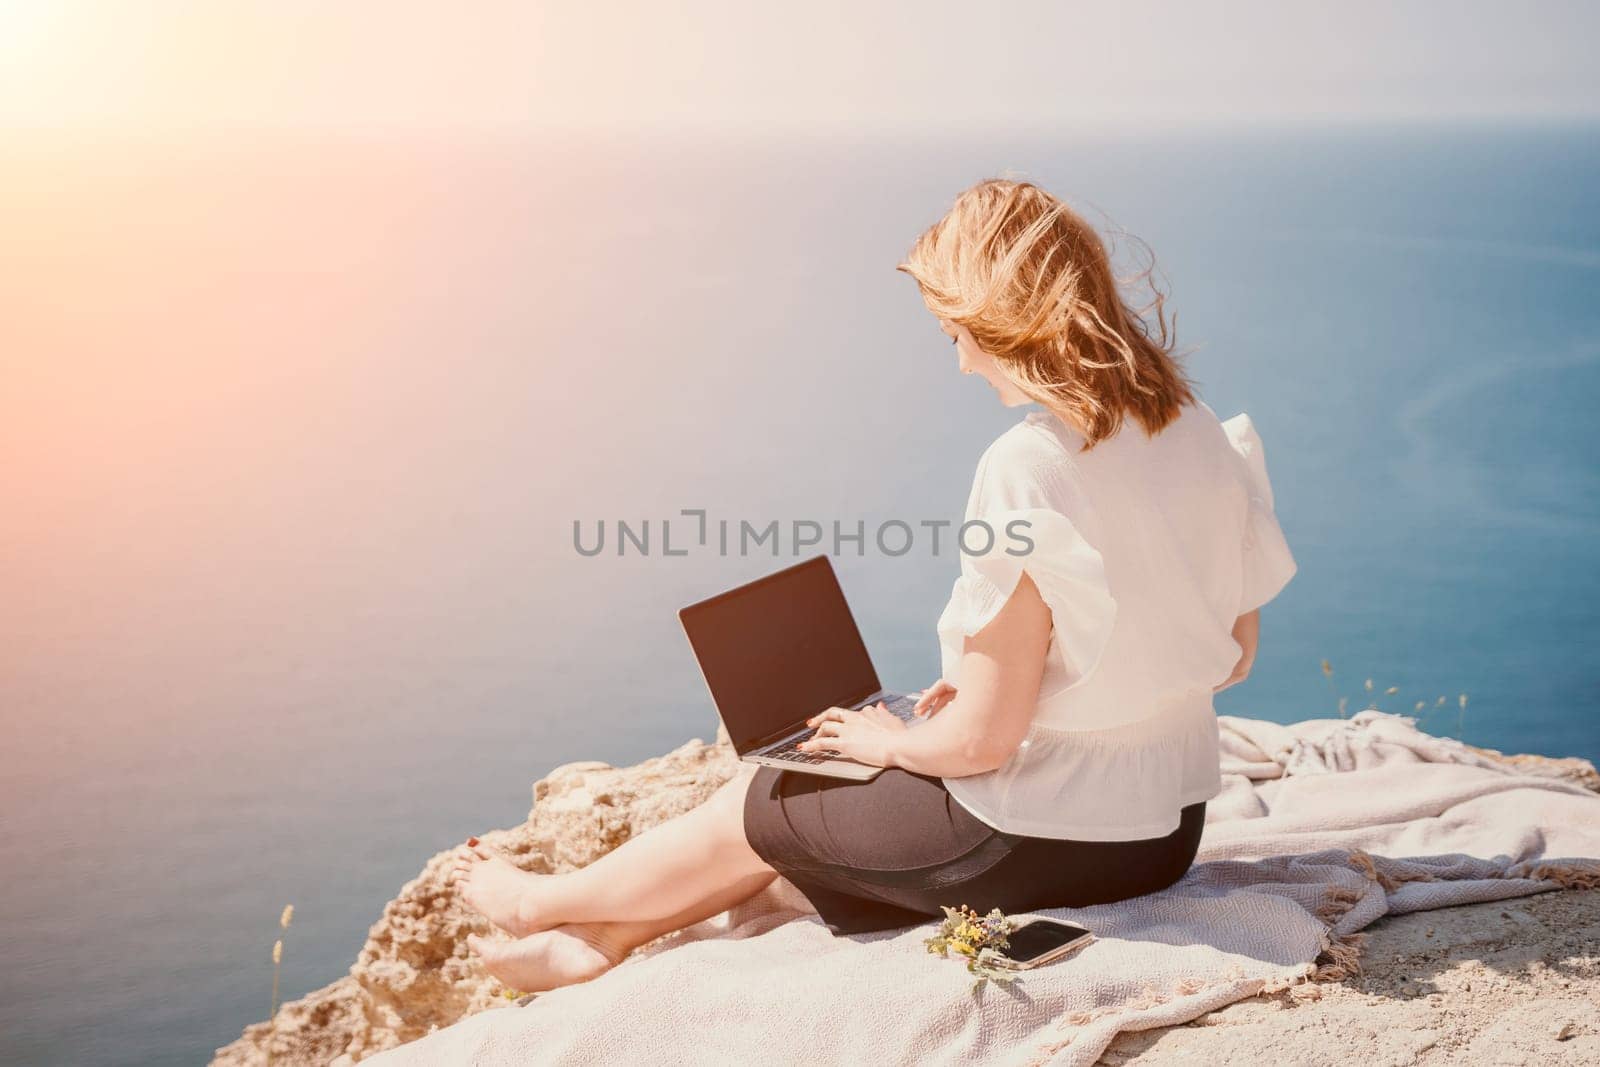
x,y
890,852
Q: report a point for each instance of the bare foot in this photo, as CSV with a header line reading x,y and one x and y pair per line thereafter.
x,y
563,956
496,888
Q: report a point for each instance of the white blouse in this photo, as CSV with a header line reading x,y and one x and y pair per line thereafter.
x,y
1146,549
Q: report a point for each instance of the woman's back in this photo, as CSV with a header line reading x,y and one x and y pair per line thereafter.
x,y
1146,549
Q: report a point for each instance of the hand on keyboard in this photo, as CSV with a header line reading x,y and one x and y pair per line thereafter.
x,y
934,698
790,751
866,735
902,708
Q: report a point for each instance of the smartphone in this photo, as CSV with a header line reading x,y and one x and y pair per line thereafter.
x,y
1041,941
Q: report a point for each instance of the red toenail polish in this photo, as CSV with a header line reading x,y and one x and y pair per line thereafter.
x,y
472,840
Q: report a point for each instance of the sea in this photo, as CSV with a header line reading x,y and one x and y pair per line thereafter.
x,y
296,431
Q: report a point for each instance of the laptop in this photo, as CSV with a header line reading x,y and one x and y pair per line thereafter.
x,y
777,651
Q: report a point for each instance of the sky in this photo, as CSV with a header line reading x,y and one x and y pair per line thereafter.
x,y
164,65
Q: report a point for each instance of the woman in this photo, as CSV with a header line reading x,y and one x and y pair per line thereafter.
x,y
1066,756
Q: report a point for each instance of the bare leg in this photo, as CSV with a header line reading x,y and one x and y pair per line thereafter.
x,y
569,954
672,870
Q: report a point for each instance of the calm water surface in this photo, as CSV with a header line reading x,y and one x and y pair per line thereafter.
x,y
293,437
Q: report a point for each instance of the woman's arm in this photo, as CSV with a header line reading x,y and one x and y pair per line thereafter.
x,y
1001,667
1246,631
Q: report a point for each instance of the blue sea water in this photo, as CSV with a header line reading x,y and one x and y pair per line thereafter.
x,y
295,434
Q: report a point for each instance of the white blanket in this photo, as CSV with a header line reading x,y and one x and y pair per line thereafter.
x,y
1321,828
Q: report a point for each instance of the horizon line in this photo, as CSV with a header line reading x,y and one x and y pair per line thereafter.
x,y
1131,125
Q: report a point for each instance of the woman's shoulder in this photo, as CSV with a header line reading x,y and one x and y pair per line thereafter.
x,y
1038,443
1239,440
1030,461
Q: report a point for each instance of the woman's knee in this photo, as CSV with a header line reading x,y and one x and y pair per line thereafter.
x,y
734,789
728,801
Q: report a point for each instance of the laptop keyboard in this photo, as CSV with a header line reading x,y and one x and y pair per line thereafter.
x,y
790,752
902,708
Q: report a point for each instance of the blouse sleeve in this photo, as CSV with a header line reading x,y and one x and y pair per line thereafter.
x,y
1068,572
1268,563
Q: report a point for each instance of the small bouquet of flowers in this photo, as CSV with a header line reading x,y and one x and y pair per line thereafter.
x,y
976,937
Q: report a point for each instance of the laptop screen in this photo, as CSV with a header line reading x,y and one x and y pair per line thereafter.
x,y
779,650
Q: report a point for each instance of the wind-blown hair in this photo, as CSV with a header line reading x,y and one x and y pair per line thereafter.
x,y
1033,283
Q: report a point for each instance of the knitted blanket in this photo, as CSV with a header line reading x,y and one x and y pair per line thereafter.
x,y
1322,827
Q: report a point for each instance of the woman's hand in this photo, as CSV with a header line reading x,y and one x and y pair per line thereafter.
x,y
866,736
1246,631
1241,671
933,698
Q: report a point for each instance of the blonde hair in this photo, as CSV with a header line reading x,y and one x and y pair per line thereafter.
x,y
1033,283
